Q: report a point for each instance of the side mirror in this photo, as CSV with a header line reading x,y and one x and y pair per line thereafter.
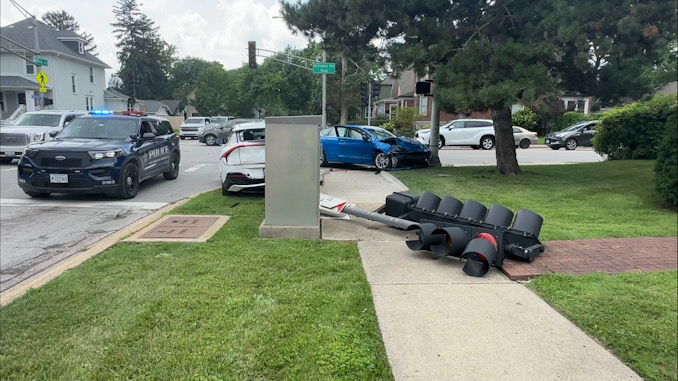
x,y
366,138
148,135
52,134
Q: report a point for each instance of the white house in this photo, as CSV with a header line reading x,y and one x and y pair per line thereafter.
x,y
75,78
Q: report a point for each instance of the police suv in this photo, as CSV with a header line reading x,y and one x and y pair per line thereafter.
x,y
101,152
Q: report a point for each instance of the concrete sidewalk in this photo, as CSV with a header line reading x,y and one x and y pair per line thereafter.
x,y
437,323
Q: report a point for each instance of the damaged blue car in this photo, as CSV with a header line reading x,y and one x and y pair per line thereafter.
x,y
370,145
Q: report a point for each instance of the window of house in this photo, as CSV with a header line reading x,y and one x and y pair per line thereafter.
x,y
89,101
81,48
91,74
2,102
21,98
30,68
423,105
73,88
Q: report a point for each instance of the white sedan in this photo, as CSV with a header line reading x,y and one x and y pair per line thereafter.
x,y
243,158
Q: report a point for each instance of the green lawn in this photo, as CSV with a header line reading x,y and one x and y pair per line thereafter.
x,y
608,199
239,307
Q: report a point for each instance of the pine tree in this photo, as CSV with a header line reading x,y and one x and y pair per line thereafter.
x,y
142,53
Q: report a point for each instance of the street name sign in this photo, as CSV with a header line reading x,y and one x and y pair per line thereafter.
x,y
39,61
323,68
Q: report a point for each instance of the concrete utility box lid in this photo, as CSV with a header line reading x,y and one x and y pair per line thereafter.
x,y
180,228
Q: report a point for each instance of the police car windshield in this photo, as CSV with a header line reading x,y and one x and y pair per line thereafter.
x,y
99,128
38,120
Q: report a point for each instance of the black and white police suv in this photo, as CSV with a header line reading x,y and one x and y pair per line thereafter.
x,y
101,152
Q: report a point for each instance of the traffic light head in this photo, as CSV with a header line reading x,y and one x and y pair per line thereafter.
x,y
375,90
252,54
363,89
131,85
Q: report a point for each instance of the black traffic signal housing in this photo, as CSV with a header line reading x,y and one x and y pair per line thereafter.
x,y
375,90
363,93
252,54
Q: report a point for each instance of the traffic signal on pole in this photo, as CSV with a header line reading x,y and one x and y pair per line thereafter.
x,y
375,91
252,54
363,93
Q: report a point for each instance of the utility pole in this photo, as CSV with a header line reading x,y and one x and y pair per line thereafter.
x,y
369,102
323,120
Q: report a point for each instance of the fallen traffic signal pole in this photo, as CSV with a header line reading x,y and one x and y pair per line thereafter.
x,y
448,227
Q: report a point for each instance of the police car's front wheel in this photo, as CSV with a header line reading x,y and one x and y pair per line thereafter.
x,y
129,184
173,172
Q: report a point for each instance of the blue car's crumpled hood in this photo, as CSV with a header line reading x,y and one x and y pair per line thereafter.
x,y
405,143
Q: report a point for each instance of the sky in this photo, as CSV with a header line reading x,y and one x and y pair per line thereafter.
x,y
214,30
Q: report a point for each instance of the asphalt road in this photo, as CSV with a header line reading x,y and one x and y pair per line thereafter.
x,y
36,234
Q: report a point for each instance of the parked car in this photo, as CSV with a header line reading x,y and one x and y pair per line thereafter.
x,y
218,133
475,133
192,126
30,127
243,158
579,134
101,153
523,138
221,119
370,146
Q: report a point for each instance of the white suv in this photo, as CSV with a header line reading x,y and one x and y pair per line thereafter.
x,y
31,127
476,133
192,127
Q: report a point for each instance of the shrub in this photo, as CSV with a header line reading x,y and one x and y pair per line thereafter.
x,y
666,167
634,131
572,117
525,118
404,120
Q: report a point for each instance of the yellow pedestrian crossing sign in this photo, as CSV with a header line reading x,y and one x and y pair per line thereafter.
x,y
42,78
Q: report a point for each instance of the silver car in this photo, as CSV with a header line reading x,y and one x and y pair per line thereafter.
x,y
31,127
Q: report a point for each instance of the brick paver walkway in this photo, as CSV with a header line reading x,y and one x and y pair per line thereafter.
x,y
609,256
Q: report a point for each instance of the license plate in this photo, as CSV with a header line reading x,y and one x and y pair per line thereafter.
x,y
58,179
547,141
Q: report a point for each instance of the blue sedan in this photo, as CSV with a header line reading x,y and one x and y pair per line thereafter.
x,y
371,146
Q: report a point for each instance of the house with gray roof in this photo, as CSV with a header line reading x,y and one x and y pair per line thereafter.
x,y
117,101
73,78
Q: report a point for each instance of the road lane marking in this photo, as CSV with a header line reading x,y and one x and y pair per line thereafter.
x,y
84,204
196,167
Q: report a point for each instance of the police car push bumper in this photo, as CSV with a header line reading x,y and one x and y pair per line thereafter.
x,y
101,177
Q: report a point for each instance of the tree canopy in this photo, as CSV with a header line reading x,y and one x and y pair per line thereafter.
x,y
142,53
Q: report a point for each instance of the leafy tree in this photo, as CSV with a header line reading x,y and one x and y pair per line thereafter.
x,y
346,28
420,38
183,76
525,118
142,52
62,20
618,49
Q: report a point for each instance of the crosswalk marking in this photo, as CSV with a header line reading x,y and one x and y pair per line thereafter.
x,y
85,204
196,167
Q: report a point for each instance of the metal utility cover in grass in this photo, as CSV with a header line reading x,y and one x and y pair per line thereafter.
x,y
180,228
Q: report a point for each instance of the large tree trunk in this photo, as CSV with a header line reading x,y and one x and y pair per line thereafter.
x,y
507,163
343,119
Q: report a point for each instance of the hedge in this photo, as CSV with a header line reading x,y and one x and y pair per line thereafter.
x,y
634,131
666,167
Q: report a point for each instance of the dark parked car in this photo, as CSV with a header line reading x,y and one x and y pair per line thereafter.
x,y
101,153
218,133
371,146
579,134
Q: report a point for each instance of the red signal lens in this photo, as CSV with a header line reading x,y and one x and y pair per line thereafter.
x,y
488,237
